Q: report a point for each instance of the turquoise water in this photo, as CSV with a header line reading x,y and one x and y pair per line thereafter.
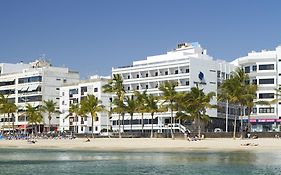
x,y
52,162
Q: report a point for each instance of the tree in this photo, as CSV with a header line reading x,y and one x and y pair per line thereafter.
x,y
34,116
49,106
152,107
141,107
115,85
91,104
169,97
196,105
131,108
75,111
9,108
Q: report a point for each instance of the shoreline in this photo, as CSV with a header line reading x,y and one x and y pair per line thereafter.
x,y
148,145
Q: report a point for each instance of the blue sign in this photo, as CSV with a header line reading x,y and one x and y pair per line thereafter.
x,y
201,76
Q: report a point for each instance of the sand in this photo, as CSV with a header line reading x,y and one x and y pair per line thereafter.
x,y
147,144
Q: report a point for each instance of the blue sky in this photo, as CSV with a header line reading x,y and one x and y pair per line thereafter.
x,y
92,36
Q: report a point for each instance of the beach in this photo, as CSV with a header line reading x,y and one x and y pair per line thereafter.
x,y
147,144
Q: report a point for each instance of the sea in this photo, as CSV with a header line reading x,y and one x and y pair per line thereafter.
x,y
68,162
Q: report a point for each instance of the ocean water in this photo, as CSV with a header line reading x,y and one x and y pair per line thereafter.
x,y
53,162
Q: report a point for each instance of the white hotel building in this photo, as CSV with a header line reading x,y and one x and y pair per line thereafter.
x,y
72,94
31,84
188,65
264,69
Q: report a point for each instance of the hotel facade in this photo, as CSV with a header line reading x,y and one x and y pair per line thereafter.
x,y
189,66
73,94
264,69
30,84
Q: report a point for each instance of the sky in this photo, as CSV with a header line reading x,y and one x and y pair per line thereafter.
x,y
92,36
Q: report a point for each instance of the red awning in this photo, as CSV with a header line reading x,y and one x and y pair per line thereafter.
x,y
21,127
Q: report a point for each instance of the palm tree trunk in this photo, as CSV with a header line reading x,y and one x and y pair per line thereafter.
x,y
234,126
49,123
9,124
249,117
119,125
172,134
123,114
241,122
151,135
131,122
92,127
199,128
142,125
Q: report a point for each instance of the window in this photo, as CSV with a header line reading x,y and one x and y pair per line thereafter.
x,y
96,128
218,74
254,110
176,71
57,89
62,103
166,73
58,79
30,99
186,70
138,87
266,81
254,81
156,74
95,89
146,86
128,88
266,67
7,83
247,69
187,83
30,79
266,110
266,95
146,75
138,76
254,68
90,128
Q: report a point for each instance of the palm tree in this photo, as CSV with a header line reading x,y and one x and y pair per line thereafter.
x,y
49,106
141,107
152,107
169,96
75,111
115,85
197,103
9,108
91,104
131,108
34,116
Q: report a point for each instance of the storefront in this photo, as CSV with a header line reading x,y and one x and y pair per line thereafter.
x,y
266,125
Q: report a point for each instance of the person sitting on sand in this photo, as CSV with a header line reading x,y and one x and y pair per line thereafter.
x,y
249,144
88,140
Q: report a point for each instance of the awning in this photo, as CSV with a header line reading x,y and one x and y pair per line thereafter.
x,y
24,88
33,87
21,127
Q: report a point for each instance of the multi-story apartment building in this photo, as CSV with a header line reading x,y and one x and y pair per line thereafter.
x,y
31,84
72,94
264,69
188,65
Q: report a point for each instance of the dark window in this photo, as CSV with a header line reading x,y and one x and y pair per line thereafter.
x,y
254,81
166,73
146,75
186,70
266,110
254,68
176,71
7,92
138,76
266,67
83,90
58,79
30,79
247,69
7,83
138,87
128,76
95,89
266,95
187,83
72,91
57,89
254,110
128,88
146,86
266,81
29,99
218,74
156,74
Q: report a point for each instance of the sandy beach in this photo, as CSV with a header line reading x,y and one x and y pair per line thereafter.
x,y
147,144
